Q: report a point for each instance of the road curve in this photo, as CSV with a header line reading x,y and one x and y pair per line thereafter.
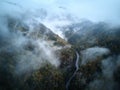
x,y
77,67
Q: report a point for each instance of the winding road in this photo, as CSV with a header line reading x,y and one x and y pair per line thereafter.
x,y
77,67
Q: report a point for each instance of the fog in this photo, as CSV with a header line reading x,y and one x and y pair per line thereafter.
x,y
23,52
64,12
107,80
27,52
96,10
91,54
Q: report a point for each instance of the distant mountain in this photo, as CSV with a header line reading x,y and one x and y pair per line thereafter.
x,y
88,34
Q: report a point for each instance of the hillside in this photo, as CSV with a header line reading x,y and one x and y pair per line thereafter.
x,y
33,57
87,34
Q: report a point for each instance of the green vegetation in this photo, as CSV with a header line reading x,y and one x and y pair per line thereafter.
x,y
49,77
46,78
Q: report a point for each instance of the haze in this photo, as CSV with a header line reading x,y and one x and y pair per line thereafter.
x,y
95,10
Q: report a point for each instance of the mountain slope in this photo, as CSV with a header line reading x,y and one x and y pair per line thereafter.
x,y
29,57
87,34
33,57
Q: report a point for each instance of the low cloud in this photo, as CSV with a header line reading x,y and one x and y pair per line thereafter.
x,y
28,53
92,54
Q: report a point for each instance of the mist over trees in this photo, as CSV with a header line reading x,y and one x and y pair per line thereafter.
x,y
49,46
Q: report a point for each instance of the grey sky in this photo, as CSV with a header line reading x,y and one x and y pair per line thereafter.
x,y
95,10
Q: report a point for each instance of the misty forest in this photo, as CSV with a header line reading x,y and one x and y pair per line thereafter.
x,y
59,45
